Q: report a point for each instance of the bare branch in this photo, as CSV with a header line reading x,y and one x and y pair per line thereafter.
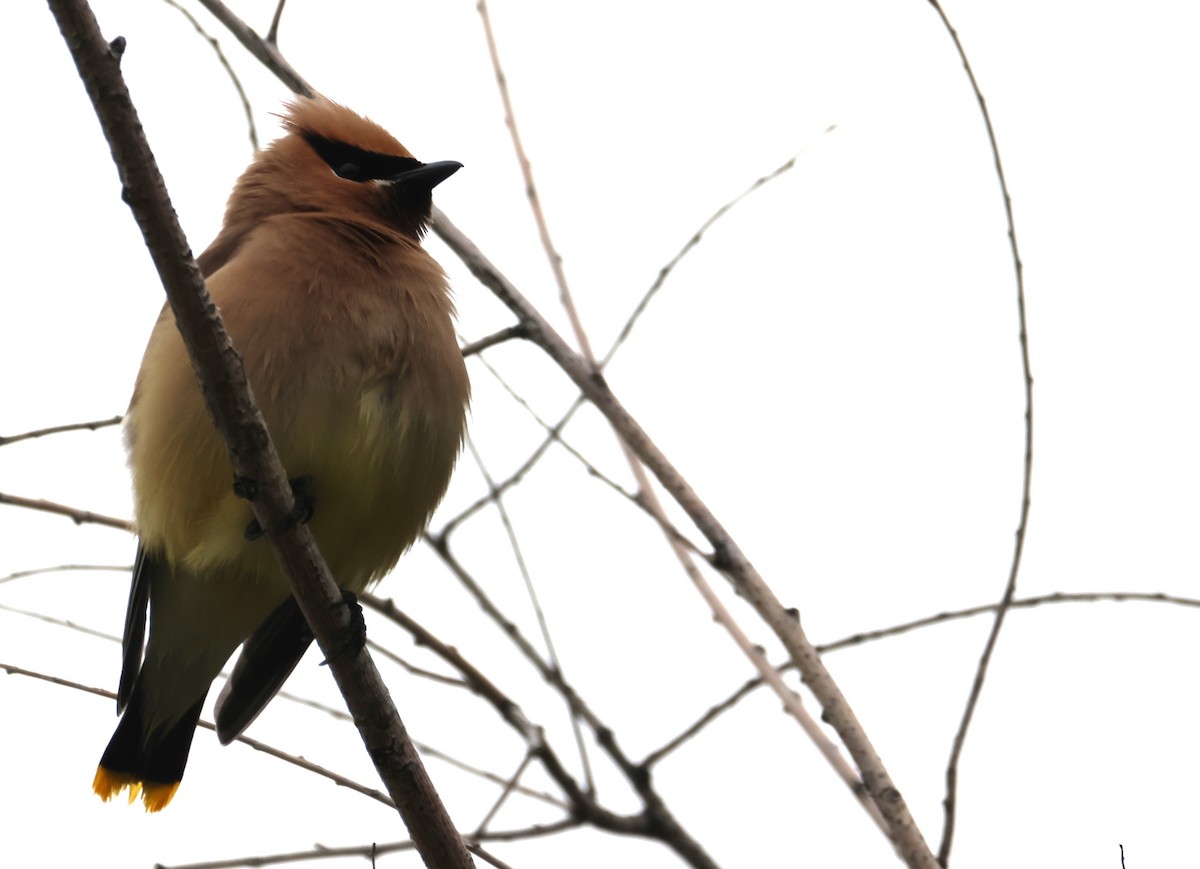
x,y
535,201
647,498
949,803
64,623
58,429
273,31
228,397
692,242
553,435
14,670
858,639
491,859
484,343
531,592
728,556
80,517
509,787
714,712
266,52
505,783
655,821
295,760
233,76
372,851
62,568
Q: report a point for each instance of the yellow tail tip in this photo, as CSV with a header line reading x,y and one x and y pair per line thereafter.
x,y
155,795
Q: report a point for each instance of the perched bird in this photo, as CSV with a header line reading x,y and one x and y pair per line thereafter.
x,y
345,327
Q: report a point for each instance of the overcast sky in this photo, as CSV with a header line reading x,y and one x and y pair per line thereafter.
x,y
835,369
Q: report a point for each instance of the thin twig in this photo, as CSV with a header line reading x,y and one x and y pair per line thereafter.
x,y
14,670
58,429
727,555
531,593
1018,603
568,302
62,568
553,676
412,669
340,780
506,784
60,622
273,32
647,498
233,76
491,859
654,822
266,52
509,787
370,851
535,202
80,517
552,436
334,777
507,334
714,712
692,242
950,802
750,685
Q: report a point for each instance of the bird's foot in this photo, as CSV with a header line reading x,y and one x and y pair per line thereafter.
x,y
303,507
356,633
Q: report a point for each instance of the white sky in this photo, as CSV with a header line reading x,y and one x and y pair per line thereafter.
x,y
835,369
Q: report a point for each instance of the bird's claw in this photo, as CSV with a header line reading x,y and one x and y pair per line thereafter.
x,y
303,506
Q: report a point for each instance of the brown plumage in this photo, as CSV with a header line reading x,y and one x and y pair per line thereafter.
x,y
345,326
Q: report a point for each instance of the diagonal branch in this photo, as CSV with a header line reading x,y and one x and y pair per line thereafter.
x,y
229,399
264,50
728,556
655,821
647,497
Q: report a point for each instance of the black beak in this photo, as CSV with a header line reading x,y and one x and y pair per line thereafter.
x,y
426,176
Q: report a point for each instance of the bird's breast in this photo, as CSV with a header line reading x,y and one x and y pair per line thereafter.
x,y
358,373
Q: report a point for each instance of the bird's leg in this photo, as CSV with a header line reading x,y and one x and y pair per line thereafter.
x,y
304,501
304,505
356,634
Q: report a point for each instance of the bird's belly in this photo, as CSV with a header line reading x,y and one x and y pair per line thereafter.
x,y
375,472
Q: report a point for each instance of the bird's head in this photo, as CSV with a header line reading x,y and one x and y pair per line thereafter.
x,y
335,161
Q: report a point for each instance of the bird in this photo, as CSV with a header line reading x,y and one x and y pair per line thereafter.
x,y
346,329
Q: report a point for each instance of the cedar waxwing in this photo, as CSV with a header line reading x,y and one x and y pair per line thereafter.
x,y
345,327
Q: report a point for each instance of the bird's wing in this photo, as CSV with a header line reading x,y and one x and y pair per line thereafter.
x,y
267,659
133,641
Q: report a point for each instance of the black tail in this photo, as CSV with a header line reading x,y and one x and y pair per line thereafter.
x,y
148,763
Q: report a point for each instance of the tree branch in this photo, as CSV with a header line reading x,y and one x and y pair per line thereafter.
x,y
728,556
58,429
229,399
79,516
949,803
